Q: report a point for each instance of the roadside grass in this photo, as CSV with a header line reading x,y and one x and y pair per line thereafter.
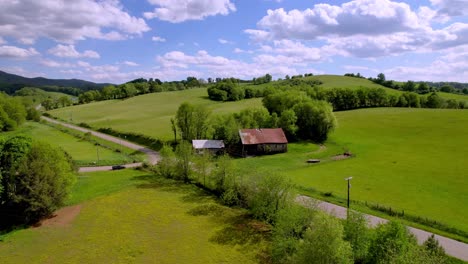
x,y
148,114
132,155
407,159
152,220
82,152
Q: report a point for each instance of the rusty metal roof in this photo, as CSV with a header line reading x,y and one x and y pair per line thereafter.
x,y
262,136
207,144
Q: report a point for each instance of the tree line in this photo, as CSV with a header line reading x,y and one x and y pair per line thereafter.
x,y
418,87
299,233
137,87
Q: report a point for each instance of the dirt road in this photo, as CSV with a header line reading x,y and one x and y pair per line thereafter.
x,y
152,156
452,247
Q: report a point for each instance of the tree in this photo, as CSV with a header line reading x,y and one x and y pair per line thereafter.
x,y
358,235
434,101
166,167
432,246
290,225
225,128
184,157
287,122
40,179
269,195
447,89
323,242
200,121
64,101
184,120
380,78
314,120
409,86
174,129
391,242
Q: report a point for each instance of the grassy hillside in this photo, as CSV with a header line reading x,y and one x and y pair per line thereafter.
x,y
83,152
147,221
410,159
148,114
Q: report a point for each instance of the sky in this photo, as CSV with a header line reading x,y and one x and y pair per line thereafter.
x,y
117,41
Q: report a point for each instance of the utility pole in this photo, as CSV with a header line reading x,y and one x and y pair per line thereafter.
x,y
349,187
97,152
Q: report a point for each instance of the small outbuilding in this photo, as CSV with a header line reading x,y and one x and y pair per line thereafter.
x,y
215,147
263,141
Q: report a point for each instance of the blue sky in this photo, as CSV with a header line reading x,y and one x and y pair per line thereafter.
x,y
116,41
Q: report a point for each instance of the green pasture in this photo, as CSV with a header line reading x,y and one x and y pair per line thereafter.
x,y
150,221
147,114
459,97
414,160
83,152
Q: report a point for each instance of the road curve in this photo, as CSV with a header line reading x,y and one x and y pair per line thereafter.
x,y
452,247
152,156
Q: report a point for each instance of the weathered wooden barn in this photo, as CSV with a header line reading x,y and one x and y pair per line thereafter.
x,y
263,141
215,147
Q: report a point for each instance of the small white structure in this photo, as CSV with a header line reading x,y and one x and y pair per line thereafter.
x,y
213,146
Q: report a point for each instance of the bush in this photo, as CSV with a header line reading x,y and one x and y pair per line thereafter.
x,y
323,242
357,234
269,195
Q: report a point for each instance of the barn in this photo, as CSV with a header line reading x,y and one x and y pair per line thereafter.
x,y
215,147
263,141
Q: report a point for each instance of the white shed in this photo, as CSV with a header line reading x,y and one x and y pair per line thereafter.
x,y
213,146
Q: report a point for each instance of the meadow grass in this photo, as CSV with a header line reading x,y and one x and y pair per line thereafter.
x,y
82,152
152,220
146,114
409,159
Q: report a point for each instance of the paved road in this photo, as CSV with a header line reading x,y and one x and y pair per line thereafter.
x,y
152,156
452,247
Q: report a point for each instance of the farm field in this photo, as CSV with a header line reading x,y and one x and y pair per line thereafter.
x,y
83,152
410,159
147,114
144,220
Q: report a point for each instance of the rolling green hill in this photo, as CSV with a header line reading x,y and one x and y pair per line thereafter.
x,y
148,114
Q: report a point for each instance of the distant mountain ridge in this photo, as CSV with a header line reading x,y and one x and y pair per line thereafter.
x,y
10,83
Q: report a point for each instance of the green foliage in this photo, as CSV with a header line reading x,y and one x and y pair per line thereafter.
x,y
431,245
226,91
12,112
166,167
270,194
192,121
323,242
391,243
290,225
434,101
184,158
225,128
37,179
314,120
357,234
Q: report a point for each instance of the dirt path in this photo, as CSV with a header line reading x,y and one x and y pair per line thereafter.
x,y
153,156
452,247
61,217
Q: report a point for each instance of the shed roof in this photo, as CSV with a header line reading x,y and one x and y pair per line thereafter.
x,y
262,136
207,144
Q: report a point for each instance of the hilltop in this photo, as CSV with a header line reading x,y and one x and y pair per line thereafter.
x,y
10,83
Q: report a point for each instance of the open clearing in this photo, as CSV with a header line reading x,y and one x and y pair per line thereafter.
x,y
83,152
410,159
149,220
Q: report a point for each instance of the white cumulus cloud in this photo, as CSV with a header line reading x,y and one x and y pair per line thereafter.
x,y
16,52
158,39
69,51
176,11
65,21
